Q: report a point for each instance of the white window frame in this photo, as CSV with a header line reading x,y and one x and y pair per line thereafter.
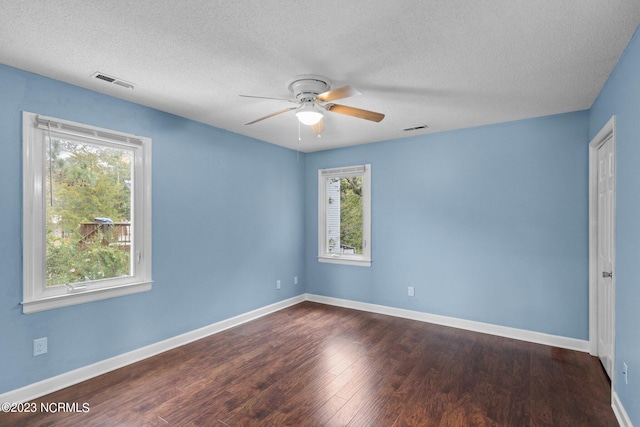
x,y
36,295
364,259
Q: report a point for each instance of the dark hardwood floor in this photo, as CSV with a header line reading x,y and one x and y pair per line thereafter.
x,y
317,365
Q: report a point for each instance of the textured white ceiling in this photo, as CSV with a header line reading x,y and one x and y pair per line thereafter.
x,y
447,64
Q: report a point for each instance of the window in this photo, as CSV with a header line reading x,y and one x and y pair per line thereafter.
x,y
86,213
344,215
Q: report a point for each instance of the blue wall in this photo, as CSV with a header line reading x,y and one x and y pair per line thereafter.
x,y
621,97
228,221
488,224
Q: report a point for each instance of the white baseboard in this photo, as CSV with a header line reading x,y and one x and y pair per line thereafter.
x,y
486,328
619,411
41,388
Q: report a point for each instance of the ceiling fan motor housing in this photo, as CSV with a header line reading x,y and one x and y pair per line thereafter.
x,y
307,86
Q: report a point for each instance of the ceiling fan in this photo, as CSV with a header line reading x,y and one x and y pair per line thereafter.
x,y
313,94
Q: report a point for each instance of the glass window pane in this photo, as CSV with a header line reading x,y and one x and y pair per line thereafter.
x,y
344,215
88,211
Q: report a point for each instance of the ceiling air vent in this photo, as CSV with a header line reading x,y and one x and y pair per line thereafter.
x,y
114,80
415,128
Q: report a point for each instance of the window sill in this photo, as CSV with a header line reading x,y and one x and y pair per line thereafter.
x,y
67,300
345,260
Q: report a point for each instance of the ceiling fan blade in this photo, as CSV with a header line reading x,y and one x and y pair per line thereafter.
x,y
339,93
269,97
271,115
355,112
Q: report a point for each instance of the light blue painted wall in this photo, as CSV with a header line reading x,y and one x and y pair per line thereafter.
x,y
621,97
489,224
227,223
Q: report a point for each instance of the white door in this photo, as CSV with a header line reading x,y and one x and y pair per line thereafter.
x,y
606,289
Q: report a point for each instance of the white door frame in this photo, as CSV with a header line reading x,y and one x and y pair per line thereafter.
x,y
608,130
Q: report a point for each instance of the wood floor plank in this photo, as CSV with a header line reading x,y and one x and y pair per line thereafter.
x,y
317,365
325,412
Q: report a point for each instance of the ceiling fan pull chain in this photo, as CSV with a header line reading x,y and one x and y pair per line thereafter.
x,y
298,147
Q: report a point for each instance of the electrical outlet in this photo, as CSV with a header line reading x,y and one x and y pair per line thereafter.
x,y
411,291
295,280
277,284
625,372
39,346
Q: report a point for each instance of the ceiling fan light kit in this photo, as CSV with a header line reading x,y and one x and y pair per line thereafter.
x,y
308,114
313,93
